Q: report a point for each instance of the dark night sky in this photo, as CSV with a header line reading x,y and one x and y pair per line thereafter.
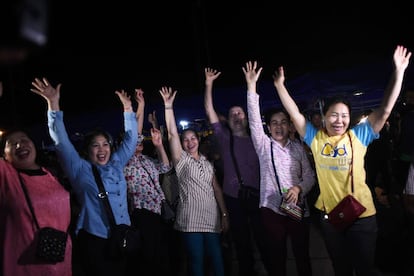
x,y
95,48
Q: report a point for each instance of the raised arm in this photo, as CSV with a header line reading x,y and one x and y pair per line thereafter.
x,y
152,118
211,75
252,74
159,146
380,115
51,94
288,103
168,95
139,97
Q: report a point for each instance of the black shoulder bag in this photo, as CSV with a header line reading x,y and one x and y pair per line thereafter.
x,y
124,239
245,192
51,242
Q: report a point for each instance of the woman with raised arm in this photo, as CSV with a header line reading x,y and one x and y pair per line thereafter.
x,y
93,228
20,170
201,211
241,180
145,197
339,159
285,173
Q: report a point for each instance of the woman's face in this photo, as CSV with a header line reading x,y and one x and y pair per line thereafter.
x,y
337,119
99,151
190,142
20,151
279,127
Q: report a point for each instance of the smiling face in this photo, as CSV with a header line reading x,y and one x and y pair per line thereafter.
x,y
99,150
190,142
337,119
20,151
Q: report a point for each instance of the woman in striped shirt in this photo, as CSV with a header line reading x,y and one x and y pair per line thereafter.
x,y
201,212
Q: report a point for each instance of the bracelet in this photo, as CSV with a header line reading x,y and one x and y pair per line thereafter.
x,y
168,107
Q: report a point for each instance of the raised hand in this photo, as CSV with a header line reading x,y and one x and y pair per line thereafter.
x,y
51,94
139,96
168,95
252,72
279,76
211,75
152,118
125,99
401,57
43,88
156,137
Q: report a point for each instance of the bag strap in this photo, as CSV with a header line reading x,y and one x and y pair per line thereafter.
x,y
233,157
351,171
103,195
274,167
29,202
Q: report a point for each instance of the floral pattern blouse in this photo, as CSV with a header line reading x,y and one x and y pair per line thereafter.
x,y
144,188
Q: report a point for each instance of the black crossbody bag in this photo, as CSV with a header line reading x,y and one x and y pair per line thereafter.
x,y
124,239
51,242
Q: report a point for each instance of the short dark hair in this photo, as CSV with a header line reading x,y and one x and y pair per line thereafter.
x,y
90,136
189,130
335,100
6,135
273,110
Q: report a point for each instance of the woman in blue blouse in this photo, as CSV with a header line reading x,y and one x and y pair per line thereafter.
x,y
93,228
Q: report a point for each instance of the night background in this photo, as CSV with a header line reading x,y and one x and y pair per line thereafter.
x,y
94,48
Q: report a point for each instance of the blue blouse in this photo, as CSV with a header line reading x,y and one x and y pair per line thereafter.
x,y
92,217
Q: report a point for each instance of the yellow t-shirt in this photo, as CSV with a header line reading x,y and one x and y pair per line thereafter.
x,y
338,162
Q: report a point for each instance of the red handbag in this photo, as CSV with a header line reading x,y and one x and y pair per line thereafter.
x,y
346,212
348,209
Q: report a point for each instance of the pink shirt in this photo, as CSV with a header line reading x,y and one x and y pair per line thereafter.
x,y
51,205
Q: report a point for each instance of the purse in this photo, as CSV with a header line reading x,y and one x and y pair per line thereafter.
x,y
348,209
292,210
51,242
346,212
124,239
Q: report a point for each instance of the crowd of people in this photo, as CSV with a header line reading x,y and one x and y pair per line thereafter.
x,y
229,191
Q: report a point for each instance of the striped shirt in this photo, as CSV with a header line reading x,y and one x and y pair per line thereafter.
x,y
197,210
291,162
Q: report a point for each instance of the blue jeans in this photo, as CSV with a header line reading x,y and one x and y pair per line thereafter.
x,y
198,243
352,250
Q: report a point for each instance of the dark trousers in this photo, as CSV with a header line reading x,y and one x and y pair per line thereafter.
x,y
152,258
94,256
246,227
352,250
278,229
